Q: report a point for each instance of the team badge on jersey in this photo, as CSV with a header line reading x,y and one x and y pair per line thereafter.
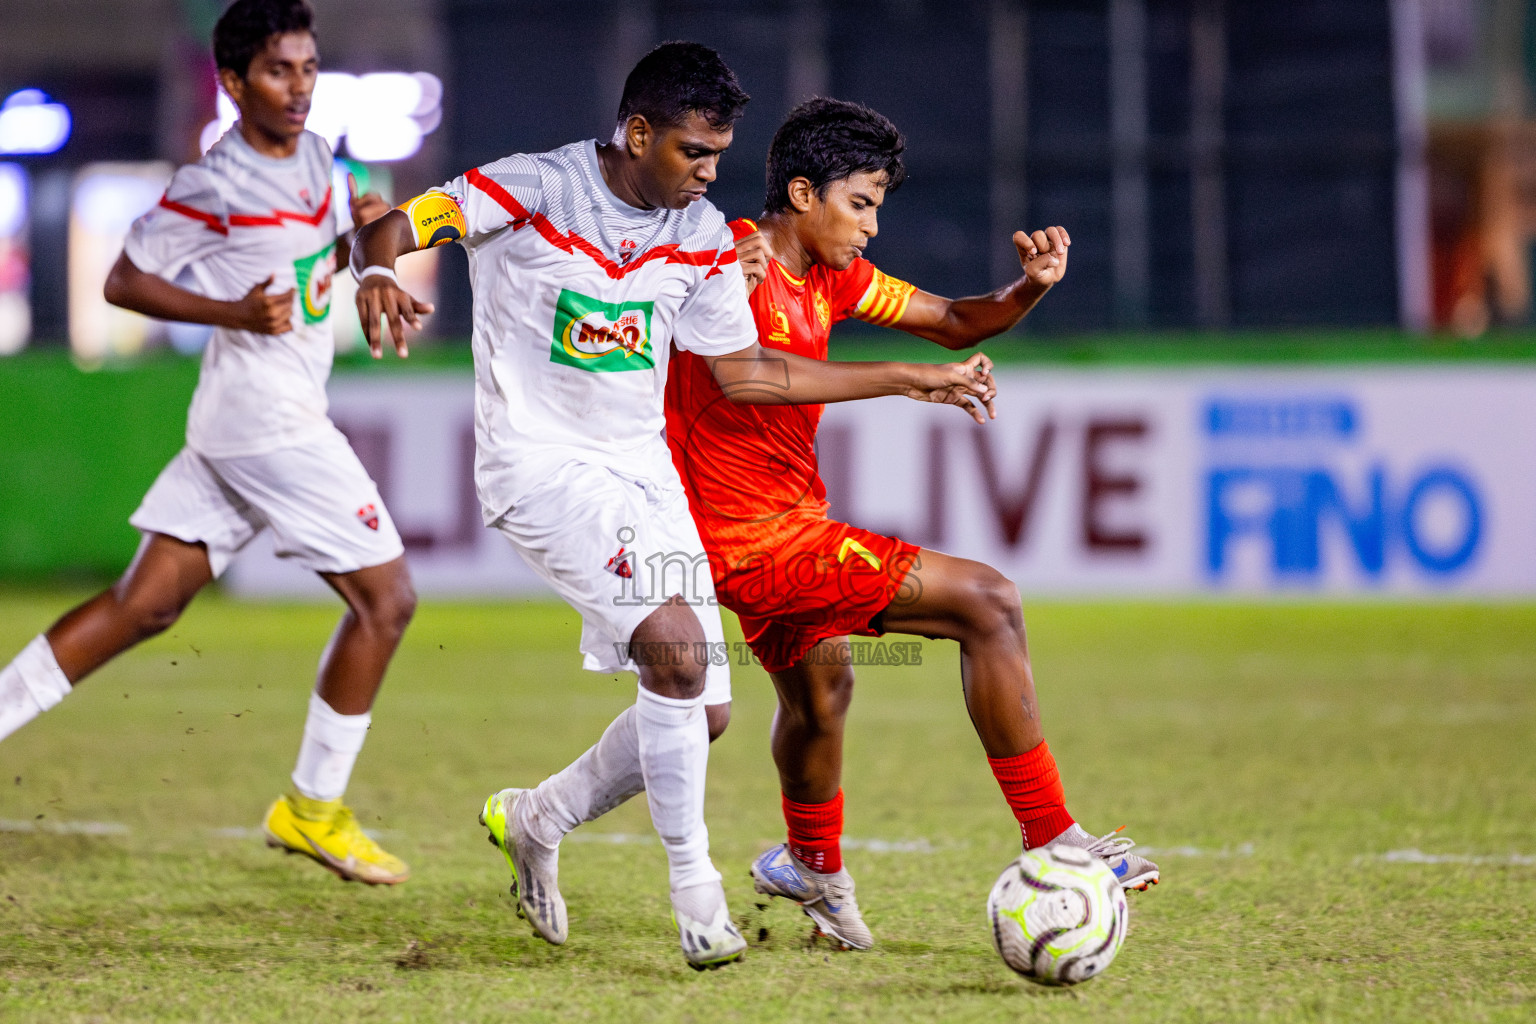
x,y
313,276
369,517
622,565
436,217
823,311
603,337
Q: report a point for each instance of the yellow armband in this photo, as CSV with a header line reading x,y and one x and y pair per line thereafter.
x,y
435,218
885,300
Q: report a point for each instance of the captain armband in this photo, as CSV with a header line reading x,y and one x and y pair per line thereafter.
x,y
885,300
435,219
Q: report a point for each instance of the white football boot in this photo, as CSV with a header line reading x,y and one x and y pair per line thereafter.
x,y
710,939
1133,871
827,899
535,867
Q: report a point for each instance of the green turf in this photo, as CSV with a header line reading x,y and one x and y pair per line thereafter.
x,y
1287,746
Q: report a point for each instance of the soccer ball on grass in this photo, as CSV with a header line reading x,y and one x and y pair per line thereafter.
x,y
1058,915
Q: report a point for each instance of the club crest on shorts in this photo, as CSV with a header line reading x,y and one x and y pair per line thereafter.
x,y
621,565
369,517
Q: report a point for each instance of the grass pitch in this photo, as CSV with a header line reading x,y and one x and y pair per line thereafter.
x,y
1341,799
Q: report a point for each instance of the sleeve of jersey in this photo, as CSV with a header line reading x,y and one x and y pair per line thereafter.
x,y
504,193
884,299
715,318
188,224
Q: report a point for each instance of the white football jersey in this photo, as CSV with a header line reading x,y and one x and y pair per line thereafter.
x,y
225,224
578,300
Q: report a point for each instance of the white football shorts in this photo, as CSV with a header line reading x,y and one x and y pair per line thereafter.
x,y
323,509
615,547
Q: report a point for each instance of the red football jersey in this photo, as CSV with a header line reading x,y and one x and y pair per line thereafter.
x,y
750,470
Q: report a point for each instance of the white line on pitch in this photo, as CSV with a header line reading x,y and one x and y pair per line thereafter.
x,y
1415,856
1241,850
74,828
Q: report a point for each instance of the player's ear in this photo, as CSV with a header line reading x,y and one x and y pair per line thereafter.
x,y
233,84
638,135
801,194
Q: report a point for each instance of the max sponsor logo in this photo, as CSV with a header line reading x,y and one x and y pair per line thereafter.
x,y
601,337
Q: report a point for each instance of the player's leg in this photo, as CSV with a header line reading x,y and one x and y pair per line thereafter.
x,y
807,744
608,773
974,604
325,513
311,818
567,531
163,577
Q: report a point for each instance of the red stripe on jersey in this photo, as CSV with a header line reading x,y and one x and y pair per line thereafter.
x,y
214,224
571,241
276,217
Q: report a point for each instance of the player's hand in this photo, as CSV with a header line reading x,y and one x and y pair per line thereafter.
x,y
963,384
366,208
380,298
261,313
754,254
1043,254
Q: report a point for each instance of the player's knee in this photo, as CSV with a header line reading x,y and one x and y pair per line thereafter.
x,y
388,610
677,677
823,707
995,606
718,716
151,615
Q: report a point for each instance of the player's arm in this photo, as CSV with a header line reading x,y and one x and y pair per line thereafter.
x,y
961,323
759,376
131,288
379,244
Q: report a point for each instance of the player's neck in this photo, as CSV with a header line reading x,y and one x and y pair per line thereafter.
x,y
786,246
278,147
612,162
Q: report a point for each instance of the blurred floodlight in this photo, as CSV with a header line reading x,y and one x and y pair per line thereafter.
x,y
106,199
382,115
431,94
107,204
15,269
330,108
13,200
381,139
29,123
391,91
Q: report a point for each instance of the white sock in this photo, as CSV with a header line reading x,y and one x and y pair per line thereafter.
x,y
329,750
674,758
30,685
604,776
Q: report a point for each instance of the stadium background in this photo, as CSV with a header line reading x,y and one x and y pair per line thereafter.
x,y
1246,184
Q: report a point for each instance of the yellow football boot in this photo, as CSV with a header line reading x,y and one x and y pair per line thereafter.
x,y
326,831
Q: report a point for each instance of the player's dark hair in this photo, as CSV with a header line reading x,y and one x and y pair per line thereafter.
x,y
244,29
826,140
677,79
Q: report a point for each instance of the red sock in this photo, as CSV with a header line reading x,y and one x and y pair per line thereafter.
x,y
815,833
1032,787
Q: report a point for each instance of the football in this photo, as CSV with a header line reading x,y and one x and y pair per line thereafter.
x,y
1058,915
